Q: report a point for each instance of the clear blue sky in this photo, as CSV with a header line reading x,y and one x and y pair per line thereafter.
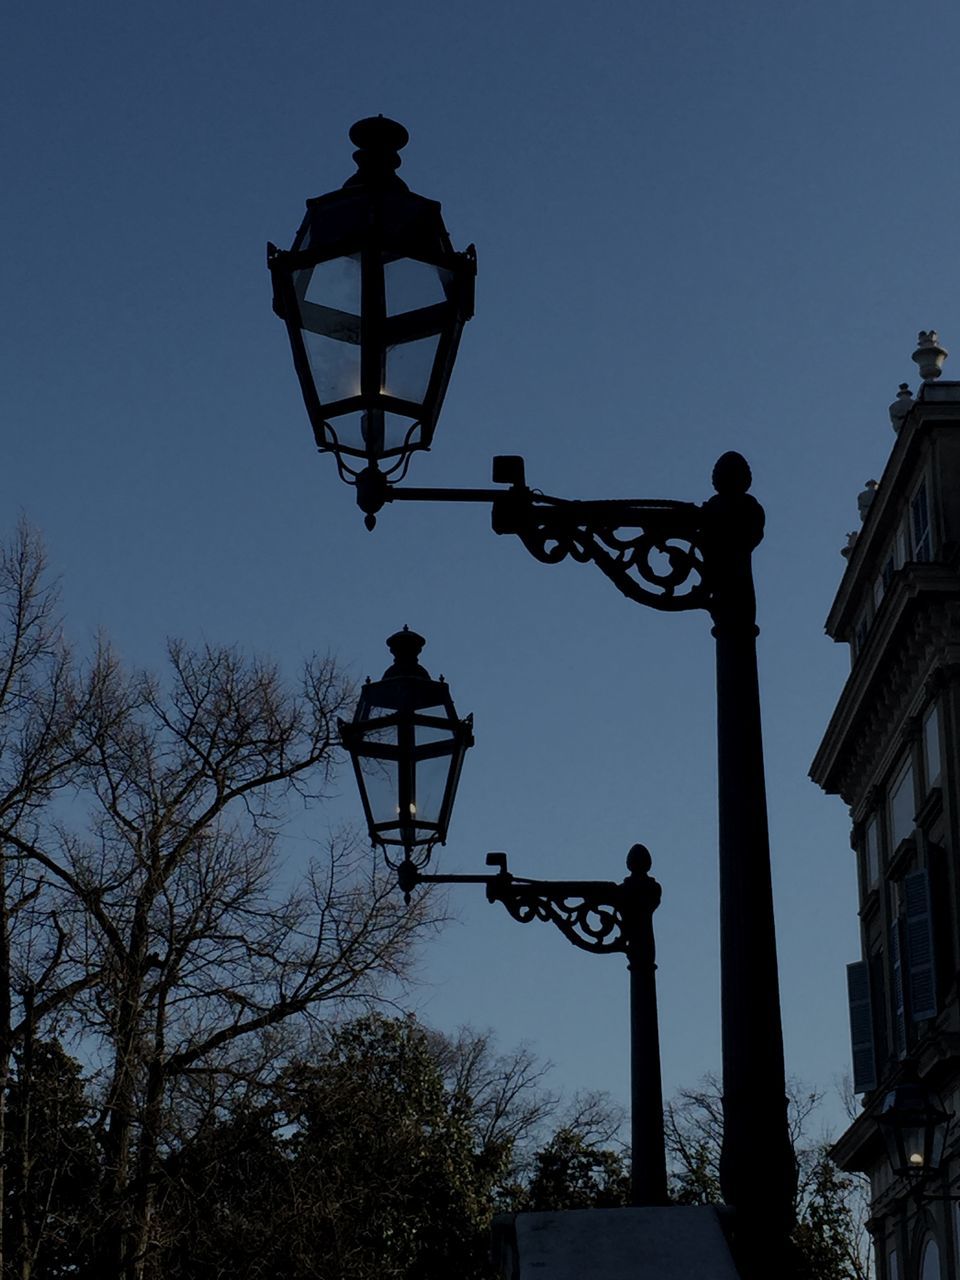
x,y
699,226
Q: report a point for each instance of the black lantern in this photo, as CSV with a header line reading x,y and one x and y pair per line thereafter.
x,y
375,299
914,1127
407,746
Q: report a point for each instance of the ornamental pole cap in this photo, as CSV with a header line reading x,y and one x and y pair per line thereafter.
x,y
731,474
929,355
901,407
405,646
378,142
639,861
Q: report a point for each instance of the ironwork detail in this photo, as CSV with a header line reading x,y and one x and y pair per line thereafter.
x,y
660,565
588,913
601,916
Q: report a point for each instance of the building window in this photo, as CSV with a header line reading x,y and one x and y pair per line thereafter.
x,y
920,978
872,852
861,632
902,805
882,584
920,524
878,1008
930,1260
931,747
893,1268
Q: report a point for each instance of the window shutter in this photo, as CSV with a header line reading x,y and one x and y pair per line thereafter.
x,y
921,983
899,1013
861,1027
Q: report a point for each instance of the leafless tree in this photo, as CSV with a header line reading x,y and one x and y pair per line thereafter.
x,y
44,702
189,940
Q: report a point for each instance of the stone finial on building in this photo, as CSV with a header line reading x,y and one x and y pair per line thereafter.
x,y
847,551
865,499
929,355
901,407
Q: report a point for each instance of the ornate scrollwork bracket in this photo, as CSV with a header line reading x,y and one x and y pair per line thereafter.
x,y
600,916
668,555
651,551
587,912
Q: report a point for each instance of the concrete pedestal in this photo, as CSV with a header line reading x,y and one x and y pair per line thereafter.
x,y
673,1243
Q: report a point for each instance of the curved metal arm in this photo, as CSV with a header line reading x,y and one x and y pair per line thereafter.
x,y
587,912
668,555
661,565
600,916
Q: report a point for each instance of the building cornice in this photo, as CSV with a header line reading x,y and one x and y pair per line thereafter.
x,y
915,635
882,516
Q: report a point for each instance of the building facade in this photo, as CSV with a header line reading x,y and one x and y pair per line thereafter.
x,y
892,752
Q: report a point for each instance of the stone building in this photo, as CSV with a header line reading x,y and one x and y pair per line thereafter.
x,y
892,752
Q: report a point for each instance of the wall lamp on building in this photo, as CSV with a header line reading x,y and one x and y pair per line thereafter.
x,y
914,1125
375,299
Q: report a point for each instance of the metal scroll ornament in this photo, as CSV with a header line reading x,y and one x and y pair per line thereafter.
x,y
589,919
661,566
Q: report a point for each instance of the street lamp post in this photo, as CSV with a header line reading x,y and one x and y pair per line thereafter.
x,y
407,746
375,299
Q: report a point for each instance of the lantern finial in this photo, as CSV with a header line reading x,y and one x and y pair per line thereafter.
x,y
405,646
378,142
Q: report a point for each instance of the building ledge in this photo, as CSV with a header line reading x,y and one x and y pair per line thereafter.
x,y
903,632
936,406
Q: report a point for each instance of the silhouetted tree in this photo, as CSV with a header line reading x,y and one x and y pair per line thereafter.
x,y
385,1153
53,1181
44,704
830,1237
366,1165
141,889
571,1172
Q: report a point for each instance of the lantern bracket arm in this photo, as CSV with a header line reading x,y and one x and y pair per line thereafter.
x,y
666,554
600,916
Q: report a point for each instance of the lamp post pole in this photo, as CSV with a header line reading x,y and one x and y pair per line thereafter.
x,y
374,239
757,1166
601,917
407,745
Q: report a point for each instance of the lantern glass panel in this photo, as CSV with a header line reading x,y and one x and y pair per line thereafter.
x,y
411,285
382,735
335,366
938,1140
431,784
427,734
375,432
913,1138
381,780
409,366
335,284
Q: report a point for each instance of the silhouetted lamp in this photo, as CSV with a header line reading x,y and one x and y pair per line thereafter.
x,y
375,299
914,1127
407,746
